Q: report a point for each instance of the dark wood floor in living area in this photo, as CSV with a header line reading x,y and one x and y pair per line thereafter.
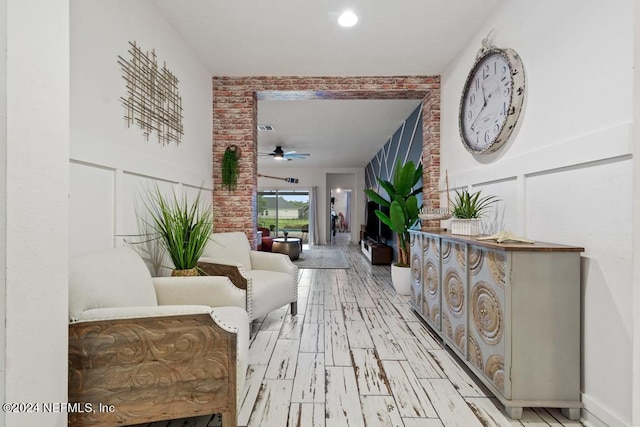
x,y
357,355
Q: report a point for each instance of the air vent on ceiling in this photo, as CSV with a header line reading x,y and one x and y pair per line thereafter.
x,y
266,128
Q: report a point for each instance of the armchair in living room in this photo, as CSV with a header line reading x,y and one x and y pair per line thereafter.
x,y
143,346
266,241
269,280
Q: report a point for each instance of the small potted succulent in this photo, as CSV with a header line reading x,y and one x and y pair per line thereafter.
x,y
467,209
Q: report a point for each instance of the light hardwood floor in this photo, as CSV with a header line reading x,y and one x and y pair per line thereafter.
x,y
357,355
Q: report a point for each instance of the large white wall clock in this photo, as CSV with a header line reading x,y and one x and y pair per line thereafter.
x,y
492,99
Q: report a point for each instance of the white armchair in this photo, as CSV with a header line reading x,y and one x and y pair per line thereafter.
x,y
141,344
269,280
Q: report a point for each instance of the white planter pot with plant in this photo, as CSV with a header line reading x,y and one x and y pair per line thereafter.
x,y
403,214
467,209
401,279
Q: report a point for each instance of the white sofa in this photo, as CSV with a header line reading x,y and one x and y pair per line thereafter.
x,y
154,348
269,280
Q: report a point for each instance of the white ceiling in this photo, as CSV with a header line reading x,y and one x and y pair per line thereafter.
x,y
336,133
302,38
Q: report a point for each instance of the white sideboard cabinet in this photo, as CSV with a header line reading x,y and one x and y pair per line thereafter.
x,y
510,311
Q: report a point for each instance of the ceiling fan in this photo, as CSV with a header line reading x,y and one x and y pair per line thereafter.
x,y
280,154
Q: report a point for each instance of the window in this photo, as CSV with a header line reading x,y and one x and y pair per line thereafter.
x,y
285,211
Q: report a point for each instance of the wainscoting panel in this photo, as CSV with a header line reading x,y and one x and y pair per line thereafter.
x,y
576,192
91,208
105,205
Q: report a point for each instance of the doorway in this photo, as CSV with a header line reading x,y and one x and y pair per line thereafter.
x,y
340,214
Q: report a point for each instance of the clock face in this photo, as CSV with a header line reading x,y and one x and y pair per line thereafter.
x,y
491,101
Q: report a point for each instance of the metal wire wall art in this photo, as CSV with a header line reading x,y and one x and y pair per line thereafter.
x,y
152,101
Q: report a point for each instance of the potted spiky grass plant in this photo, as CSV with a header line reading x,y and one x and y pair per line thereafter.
x,y
467,209
182,228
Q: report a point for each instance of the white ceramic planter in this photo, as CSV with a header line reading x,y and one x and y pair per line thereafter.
x,y
401,279
467,227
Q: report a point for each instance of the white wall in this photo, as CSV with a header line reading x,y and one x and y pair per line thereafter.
x,y
635,396
112,164
35,206
3,197
324,179
566,177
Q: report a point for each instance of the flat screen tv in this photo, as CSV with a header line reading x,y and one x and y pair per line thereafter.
x,y
385,233
376,229
372,221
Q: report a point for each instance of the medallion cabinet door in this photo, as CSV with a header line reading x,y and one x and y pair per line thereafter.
x,y
431,280
416,297
488,278
454,294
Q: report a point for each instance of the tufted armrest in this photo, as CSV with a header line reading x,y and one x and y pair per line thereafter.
x,y
235,272
272,261
138,312
214,291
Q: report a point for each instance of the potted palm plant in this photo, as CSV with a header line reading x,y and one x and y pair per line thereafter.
x,y
467,209
403,214
182,228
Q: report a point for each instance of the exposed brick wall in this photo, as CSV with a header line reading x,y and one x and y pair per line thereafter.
x,y
431,152
234,122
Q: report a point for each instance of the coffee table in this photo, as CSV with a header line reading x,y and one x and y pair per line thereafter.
x,y
288,246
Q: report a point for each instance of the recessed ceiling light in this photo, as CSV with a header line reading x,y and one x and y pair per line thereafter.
x,y
348,19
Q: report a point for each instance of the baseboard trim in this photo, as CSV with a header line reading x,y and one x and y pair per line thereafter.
x,y
595,414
